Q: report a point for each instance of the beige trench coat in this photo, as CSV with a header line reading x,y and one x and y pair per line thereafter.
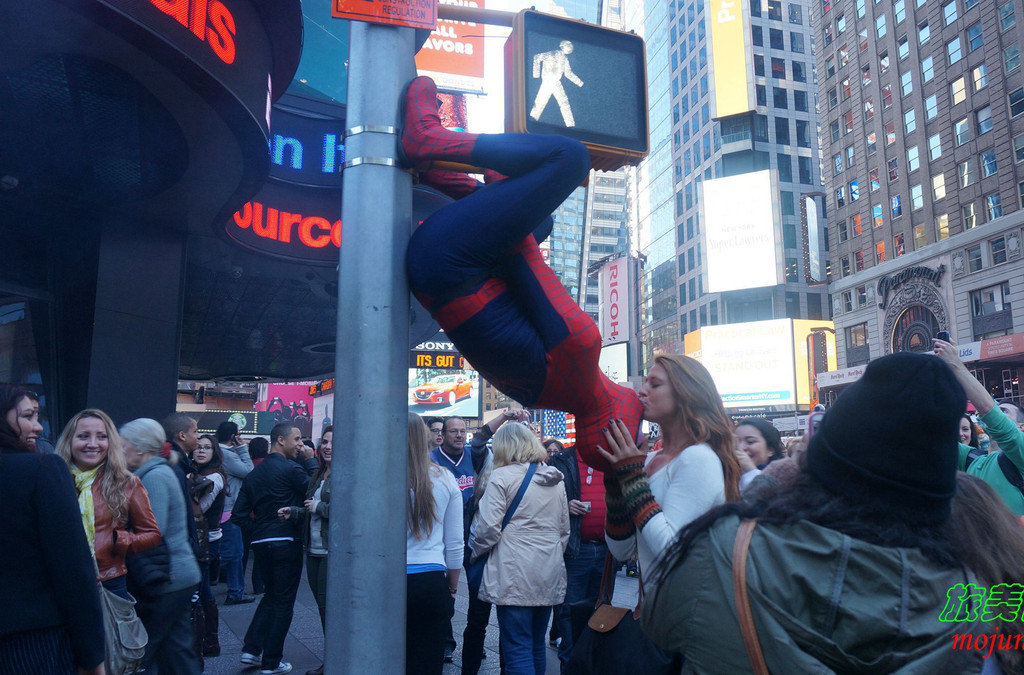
x,y
525,567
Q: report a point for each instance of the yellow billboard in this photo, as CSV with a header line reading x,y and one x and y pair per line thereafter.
x,y
729,56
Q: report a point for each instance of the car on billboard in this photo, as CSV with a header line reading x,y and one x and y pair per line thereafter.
x,y
443,389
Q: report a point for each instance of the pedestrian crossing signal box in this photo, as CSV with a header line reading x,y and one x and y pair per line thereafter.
x,y
565,76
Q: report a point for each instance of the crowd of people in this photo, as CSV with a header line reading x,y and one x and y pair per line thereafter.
x,y
876,543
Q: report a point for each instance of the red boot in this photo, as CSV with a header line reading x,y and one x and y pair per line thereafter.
x,y
423,138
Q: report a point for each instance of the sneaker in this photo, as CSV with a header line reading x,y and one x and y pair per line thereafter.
x,y
283,667
239,600
250,659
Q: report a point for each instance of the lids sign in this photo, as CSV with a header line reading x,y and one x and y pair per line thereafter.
x,y
412,13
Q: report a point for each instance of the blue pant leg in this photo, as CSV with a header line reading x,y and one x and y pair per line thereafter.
x,y
515,624
231,558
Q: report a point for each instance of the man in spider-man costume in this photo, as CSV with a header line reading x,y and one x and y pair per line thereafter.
x,y
476,267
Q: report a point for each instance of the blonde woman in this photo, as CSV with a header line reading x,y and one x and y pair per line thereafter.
x,y
434,552
524,575
116,513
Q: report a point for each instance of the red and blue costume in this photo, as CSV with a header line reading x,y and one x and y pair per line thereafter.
x,y
475,265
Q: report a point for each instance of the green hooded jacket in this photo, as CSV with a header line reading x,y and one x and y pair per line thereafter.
x,y
822,601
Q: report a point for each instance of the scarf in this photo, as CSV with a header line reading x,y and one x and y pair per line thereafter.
x,y
83,484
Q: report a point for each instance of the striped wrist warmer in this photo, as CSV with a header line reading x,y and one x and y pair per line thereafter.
x,y
636,492
617,522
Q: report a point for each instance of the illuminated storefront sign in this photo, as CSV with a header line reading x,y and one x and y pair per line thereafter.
x,y
741,229
453,55
209,20
289,221
307,150
733,85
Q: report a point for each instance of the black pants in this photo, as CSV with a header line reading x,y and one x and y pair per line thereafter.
x,y
428,610
477,616
168,620
280,564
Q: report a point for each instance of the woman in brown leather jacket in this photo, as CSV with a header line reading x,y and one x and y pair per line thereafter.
x,y
116,514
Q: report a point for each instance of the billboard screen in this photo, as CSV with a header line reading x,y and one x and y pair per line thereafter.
x,y
733,87
751,363
740,222
453,55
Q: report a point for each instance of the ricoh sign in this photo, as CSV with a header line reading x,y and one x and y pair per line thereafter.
x,y
614,312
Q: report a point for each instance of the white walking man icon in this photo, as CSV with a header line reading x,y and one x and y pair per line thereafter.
x,y
550,67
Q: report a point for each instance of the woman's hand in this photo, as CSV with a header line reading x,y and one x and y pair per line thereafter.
x,y
284,513
620,446
309,504
746,463
947,352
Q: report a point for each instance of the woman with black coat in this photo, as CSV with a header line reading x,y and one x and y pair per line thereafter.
x,y
47,575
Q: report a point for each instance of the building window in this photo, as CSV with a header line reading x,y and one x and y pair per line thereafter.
x,y
799,71
834,131
843,231
803,134
890,133
845,266
923,33
830,66
796,43
975,37
902,48
847,301
880,253
791,270
837,164
800,100
844,87
984,119
865,78
991,300
893,166
992,206
899,12
779,98
857,229
883,62
1011,58
967,174
898,246
989,167
934,147
927,69
939,186
880,29
862,296
974,259
970,217
1020,195
869,109
962,131
757,36
906,83
931,107
998,247
848,121
913,160
858,260
778,68
1016,98
1007,18
886,96
949,12
980,75
896,206
958,90
840,197
775,39
873,179
857,336
941,226
916,197
854,191
954,50
920,238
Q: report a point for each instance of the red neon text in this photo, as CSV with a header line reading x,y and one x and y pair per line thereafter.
x,y
209,20
312,231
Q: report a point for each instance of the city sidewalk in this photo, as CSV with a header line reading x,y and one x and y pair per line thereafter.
x,y
304,646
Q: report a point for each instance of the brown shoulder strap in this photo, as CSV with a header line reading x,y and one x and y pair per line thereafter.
x,y
739,587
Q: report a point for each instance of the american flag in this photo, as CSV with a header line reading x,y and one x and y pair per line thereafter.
x,y
558,424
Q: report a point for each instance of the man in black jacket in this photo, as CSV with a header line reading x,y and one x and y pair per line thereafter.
x,y
270,505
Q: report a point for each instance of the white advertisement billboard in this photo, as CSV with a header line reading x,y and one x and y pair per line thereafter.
x,y
613,307
751,363
813,244
740,225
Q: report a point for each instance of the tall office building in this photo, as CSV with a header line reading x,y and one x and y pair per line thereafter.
x,y
696,274
923,135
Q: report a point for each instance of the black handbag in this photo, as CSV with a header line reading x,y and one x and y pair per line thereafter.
x,y
612,642
148,571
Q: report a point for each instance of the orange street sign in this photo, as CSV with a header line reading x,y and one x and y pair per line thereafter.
x,y
413,13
